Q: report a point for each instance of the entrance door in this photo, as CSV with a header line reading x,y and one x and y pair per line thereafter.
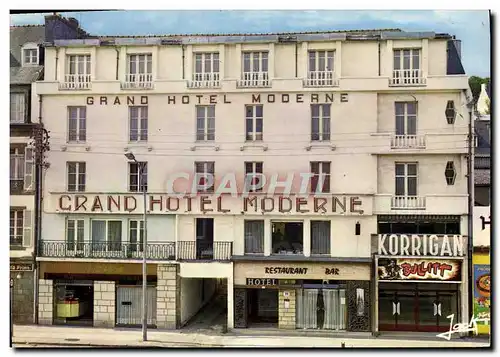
x,y
397,311
447,304
427,311
204,238
129,305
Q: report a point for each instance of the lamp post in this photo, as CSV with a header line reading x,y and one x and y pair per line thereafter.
x,y
130,156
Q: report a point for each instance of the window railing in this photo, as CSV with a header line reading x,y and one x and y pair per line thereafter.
x,y
200,250
205,80
138,81
107,250
76,82
254,79
408,202
407,77
321,79
408,142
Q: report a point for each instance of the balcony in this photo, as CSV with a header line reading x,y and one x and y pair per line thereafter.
x,y
76,82
138,81
407,78
408,202
254,80
109,250
205,80
408,142
193,250
317,79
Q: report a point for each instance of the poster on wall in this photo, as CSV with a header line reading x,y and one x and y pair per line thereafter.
x,y
482,291
419,269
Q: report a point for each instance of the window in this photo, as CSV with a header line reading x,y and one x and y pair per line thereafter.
x,y
422,225
75,234
321,177
206,63
134,171
106,235
254,237
450,112
406,118
450,173
251,169
321,61
406,179
138,123
254,122
76,176
16,227
77,124
136,235
255,62
205,172
30,54
320,237
205,122
79,65
17,108
287,238
320,119
406,59
139,64
17,164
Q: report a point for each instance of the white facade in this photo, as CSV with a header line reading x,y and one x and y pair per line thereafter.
x,y
362,88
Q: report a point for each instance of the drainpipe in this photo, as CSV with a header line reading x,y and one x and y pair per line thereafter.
x,y
296,59
183,58
470,189
57,61
38,209
117,61
379,57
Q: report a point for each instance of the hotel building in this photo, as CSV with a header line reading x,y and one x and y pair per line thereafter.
x,y
375,117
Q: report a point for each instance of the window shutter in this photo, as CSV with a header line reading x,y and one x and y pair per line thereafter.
x,y
27,229
28,168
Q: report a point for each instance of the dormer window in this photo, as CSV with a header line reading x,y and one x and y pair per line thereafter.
x,y
30,54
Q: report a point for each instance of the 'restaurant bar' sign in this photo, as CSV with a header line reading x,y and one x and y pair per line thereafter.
x,y
418,269
421,245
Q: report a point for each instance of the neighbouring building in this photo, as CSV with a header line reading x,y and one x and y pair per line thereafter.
x,y
372,116
26,67
482,216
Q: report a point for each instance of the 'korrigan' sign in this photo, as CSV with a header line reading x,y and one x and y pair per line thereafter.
x,y
418,245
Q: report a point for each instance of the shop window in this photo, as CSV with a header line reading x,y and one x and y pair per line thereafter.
x,y
320,237
287,238
254,237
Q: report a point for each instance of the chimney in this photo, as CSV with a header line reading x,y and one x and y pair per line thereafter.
x,y
61,28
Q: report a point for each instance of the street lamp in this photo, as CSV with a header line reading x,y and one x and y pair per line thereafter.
x,y
130,156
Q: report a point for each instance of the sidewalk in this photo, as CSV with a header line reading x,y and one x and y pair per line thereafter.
x,y
98,337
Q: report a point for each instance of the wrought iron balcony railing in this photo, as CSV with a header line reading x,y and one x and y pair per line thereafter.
x,y
200,250
107,250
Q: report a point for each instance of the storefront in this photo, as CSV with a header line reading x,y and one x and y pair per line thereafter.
x,y
326,296
419,282
22,290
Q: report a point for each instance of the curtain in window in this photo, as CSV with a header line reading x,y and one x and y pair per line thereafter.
x,y
335,311
98,232
254,237
320,237
114,235
307,301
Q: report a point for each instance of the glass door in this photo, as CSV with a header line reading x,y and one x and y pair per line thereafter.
x,y
427,311
405,307
447,304
387,311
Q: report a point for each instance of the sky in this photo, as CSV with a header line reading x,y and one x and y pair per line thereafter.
x,y
472,27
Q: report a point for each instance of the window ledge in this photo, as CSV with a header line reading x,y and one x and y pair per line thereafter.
x,y
254,144
320,145
206,145
138,145
80,145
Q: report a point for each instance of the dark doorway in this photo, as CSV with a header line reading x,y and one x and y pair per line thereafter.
x,y
74,304
204,238
262,306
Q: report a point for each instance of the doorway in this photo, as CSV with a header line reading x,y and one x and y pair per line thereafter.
x,y
421,307
74,303
262,306
204,238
